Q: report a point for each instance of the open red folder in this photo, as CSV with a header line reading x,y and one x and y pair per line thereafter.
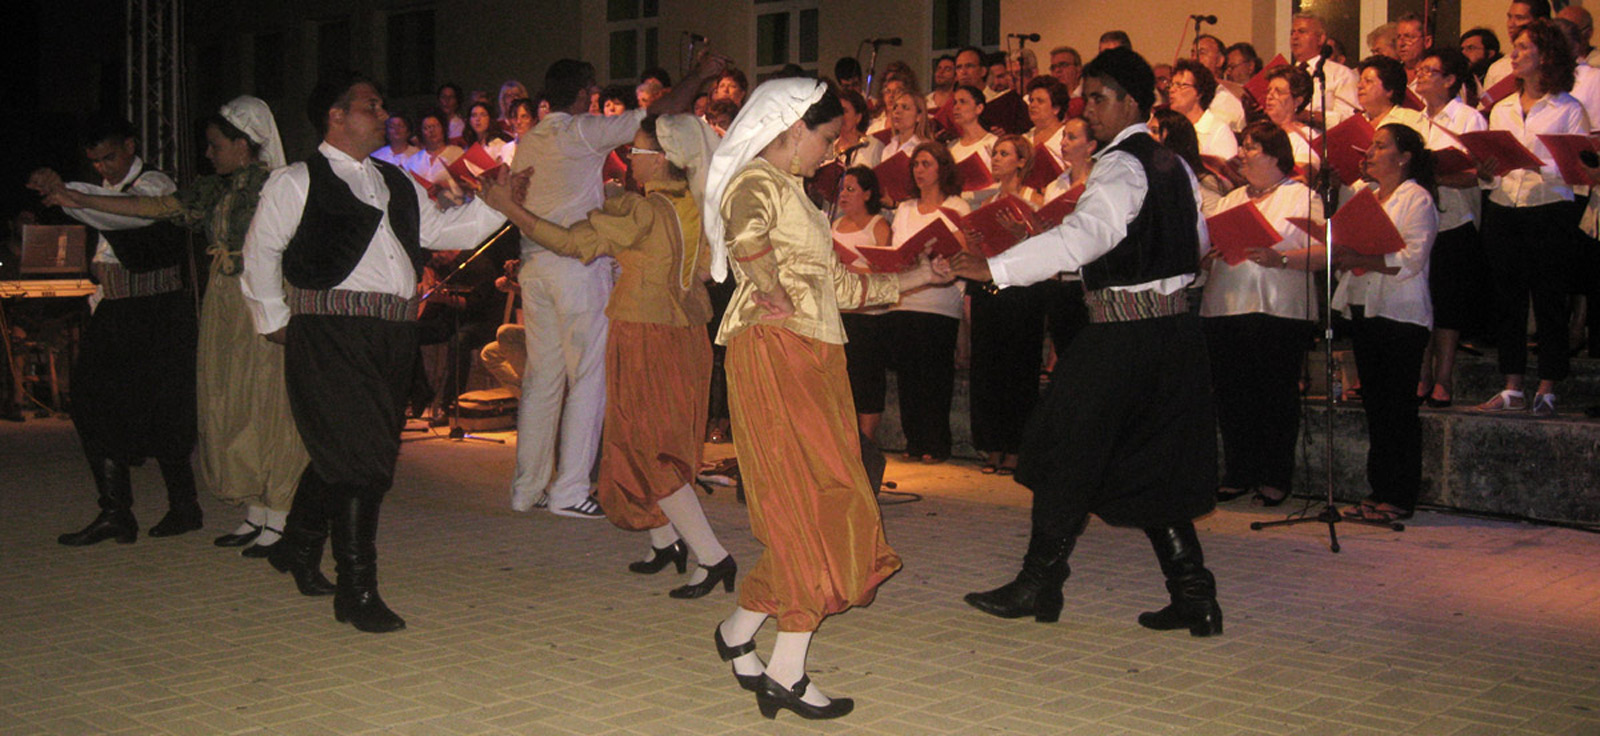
x,y
944,117
473,165
884,135
1347,146
1447,161
826,182
1498,92
1257,86
1413,101
894,177
432,187
1565,149
1056,210
1360,225
1000,224
846,256
1502,146
974,174
1043,170
936,237
1238,230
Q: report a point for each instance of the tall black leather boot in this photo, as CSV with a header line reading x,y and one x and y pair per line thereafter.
x,y
1037,589
116,507
355,554
1191,585
183,509
305,530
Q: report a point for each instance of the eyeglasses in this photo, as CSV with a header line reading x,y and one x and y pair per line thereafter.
x,y
1062,65
1179,85
1428,71
646,151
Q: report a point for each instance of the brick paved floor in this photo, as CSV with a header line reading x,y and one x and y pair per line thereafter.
x,y
528,624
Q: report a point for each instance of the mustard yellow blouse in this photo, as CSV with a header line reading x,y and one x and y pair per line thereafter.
x,y
660,260
777,237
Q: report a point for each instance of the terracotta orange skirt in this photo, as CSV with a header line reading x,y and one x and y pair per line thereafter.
x,y
794,428
658,388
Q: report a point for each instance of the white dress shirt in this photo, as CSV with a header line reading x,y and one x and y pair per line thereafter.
x,y
434,167
384,268
1460,206
1250,288
1556,113
983,148
895,146
398,158
146,183
1586,89
1402,297
1225,105
1500,69
1216,138
1112,197
908,221
1341,90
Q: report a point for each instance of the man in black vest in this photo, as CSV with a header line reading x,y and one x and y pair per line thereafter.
x,y
133,386
330,271
1126,431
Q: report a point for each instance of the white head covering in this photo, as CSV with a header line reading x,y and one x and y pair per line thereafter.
x,y
689,143
771,108
254,118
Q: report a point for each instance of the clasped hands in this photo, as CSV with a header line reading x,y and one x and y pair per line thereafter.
x,y
52,190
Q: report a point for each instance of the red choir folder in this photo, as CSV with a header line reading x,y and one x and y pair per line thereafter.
x,y
884,135
1447,161
473,165
1238,230
826,182
614,169
1362,226
936,236
1498,92
1075,107
1502,146
846,256
944,117
894,177
1056,210
1257,86
431,187
974,174
1347,146
1413,101
1224,169
1001,224
1565,149
1044,169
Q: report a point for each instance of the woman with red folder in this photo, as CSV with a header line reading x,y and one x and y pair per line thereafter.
x,y
971,140
1258,314
1530,218
1391,313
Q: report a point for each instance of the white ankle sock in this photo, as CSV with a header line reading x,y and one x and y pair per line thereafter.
x,y
788,664
683,508
739,628
661,537
254,517
272,527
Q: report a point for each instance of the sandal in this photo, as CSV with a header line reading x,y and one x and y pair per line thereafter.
x,y
1225,494
1386,513
1544,405
989,469
1360,510
1507,400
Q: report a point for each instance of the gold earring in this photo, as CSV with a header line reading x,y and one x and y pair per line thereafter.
x,y
794,163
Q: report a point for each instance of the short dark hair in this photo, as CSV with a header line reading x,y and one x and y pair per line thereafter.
x,y
1222,48
1454,64
1128,73
1178,135
846,68
564,80
1536,8
1391,73
330,92
859,104
977,94
1118,37
658,74
621,93
1300,85
1420,168
949,175
1248,52
737,76
1205,83
997,58
106,127
452,86
1273,141
1491,42
869,184
972,50
1060,96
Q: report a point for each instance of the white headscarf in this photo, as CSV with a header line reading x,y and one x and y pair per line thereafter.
x,y
771,108
254,118
688,143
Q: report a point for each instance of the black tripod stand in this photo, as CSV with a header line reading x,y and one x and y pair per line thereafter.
x,y
457,432
1328,189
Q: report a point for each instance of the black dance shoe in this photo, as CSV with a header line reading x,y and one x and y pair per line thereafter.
x,y
773,696
675,554
722,572
262,551
728,654
239,540
179,519
118,525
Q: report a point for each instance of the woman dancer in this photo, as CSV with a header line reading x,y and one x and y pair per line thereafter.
x,y
658,357
250,453
794,425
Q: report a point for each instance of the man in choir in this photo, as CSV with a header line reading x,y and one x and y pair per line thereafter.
x,y
1587,53
1306,38
1208,50
1115,39
1127,430
1411,40
133,385
1003,107
330,271
1518,14
564,299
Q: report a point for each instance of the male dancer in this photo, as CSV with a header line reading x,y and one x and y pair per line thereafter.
x,y
1127,431
330,270
133,387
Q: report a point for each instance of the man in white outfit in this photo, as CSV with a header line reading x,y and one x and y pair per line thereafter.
x,y
563,300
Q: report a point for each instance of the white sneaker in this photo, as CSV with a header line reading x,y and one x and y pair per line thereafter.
x,y
588,508
528,501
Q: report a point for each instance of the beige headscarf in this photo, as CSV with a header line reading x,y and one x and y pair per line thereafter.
x,y
254,118
771,108
688,143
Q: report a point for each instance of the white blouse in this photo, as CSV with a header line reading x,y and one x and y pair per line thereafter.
x,y
1553,114
1460,206
1402,297
908,221
852,241
1249,288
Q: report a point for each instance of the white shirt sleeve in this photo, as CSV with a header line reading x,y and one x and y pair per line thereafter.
x,y
601,133
283,198
149,184
1111,199
457,228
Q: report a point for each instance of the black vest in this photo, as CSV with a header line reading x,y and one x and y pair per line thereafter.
x,y
149,248
336,228
1161,241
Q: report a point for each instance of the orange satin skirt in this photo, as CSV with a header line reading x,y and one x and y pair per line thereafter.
x,y
658,390
794,428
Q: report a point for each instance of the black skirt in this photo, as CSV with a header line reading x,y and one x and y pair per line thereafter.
x,y
133,387
1127,429
1458,280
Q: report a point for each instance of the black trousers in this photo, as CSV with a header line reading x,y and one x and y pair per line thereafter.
x,y
1532,255
1065,313
866,357
924,359
1255,371
1389,356
1007,349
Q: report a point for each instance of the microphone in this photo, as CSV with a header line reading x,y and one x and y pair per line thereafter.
x,y
889,41
1029,37
1322,58
694,37
1212,19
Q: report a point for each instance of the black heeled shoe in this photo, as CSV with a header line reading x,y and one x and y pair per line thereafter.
x,y
728,654
675,554
773,696
262,551
1225,496
239,540
722,572
1268,501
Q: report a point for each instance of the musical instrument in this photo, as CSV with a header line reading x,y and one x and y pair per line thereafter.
x,y
45,288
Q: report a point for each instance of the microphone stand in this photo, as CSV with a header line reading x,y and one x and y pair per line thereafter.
x,y
457,433
872,65
1328,189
